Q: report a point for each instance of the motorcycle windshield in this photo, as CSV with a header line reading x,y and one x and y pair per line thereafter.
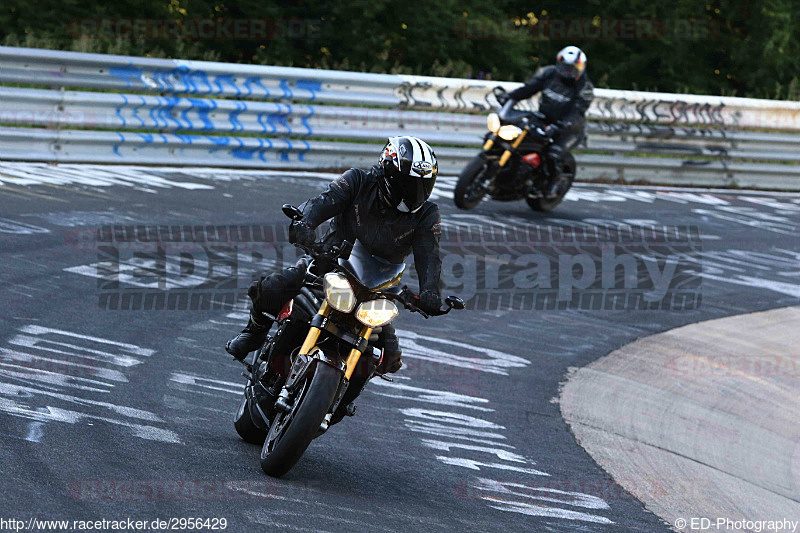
x,y
373,272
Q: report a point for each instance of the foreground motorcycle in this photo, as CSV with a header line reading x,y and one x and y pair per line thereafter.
x,y
298,383
512,164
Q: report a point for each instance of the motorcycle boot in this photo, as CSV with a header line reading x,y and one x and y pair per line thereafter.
x,y
251,338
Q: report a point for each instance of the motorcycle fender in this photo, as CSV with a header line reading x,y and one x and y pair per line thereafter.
x,y
305,364
343,386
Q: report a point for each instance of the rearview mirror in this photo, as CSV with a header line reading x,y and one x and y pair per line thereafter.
x,y
292,212
455,302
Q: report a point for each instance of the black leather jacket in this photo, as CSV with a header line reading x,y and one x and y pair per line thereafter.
x,y
352,201
562,101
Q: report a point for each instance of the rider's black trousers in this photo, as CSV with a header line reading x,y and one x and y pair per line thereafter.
x,y
564,141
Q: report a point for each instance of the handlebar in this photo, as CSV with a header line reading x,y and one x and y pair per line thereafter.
x,y
332,253
530,120
317,250
409,299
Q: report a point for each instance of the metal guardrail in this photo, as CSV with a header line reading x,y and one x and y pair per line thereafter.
x,y
156,111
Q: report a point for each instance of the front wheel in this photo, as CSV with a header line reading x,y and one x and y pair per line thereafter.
x,y
470,188
548,204
292,432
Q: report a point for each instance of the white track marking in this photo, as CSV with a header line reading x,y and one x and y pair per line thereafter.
x,y
790,289
55,414
141,178
751,217
71,219
35,431
547,494
544,511
477,444
476,465
131,348
20,228
732,266
58,379
30,361
446,446
521,498
436,350
407,392
44,344
207,384
137,272
60,376
20,391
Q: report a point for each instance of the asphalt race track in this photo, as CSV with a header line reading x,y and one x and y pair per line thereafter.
x,y
110,414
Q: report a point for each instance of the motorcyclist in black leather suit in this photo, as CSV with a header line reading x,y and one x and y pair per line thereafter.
x,y
567,93
387,209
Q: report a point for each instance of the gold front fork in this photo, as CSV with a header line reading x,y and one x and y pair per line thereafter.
x,y
313,332
488,144
507,154
355,355
313,335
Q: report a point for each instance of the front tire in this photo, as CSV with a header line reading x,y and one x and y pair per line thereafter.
x,y
292,432
466,196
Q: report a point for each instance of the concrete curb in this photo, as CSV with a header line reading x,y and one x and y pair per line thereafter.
x,y
699,421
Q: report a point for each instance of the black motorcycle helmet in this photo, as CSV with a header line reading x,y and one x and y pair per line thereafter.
x,y
409,173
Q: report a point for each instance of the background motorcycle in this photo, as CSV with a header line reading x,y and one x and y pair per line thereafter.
x,y
512,164
305,378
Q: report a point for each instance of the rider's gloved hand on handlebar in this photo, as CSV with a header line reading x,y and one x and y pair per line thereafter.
x,y
430,302
301,233
502,98
552,130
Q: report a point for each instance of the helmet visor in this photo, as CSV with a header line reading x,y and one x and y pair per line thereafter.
x,y
568,70
412,190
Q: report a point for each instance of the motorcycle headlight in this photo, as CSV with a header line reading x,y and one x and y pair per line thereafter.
x,y
376,313
493,122
509,132
339,293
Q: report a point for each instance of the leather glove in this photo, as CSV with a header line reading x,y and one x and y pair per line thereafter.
x,y
301,233
502,98
430,302
552,130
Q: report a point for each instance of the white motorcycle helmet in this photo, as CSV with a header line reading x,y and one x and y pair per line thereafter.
x,y
571,63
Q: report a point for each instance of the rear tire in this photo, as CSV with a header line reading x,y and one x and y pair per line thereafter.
x,y
245,427
284,446
548,204
464,196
